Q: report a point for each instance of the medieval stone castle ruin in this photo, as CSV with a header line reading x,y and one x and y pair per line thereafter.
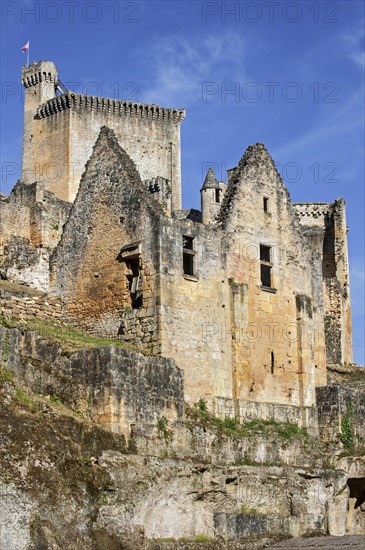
x,y
250,297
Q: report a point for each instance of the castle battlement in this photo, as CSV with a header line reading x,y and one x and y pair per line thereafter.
x,y
313,209
108,105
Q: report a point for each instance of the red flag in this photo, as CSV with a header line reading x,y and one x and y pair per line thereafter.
x,y
25,47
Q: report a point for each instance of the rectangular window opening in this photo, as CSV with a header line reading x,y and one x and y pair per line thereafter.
x,y
217,195
266,204
188,255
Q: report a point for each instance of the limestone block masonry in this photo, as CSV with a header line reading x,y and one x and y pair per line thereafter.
x,y
116,388
250,297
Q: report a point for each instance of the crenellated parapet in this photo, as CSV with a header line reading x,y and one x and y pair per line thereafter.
x,y
117,107
313,214
37,73
37,78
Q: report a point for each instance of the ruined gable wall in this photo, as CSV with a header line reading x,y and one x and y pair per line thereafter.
x,y
111,211
268,321
221,326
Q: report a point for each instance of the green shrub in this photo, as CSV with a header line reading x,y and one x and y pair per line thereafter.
x,y
347,429
55,399
23,398
4,322
202,406
230,423
162,428
5,375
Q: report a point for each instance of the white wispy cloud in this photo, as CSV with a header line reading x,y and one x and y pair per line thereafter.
x,y
181,64
353,43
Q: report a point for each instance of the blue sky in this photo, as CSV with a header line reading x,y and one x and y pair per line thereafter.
x,y
288,74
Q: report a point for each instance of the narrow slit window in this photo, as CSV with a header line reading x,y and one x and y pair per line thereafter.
x,y
266,204
217,195
188,255
272,362
265,265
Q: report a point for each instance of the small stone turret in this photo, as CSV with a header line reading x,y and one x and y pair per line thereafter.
x,y
211,195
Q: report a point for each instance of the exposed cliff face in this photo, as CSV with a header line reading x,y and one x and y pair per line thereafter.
x,y
66,483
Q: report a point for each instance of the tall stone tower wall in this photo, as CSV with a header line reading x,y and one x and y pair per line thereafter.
x,y
39,81
60,132
325,225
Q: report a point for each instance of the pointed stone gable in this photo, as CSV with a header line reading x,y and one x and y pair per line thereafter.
x,y
112,208
254,169
110,170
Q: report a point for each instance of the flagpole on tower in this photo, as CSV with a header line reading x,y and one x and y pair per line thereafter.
x,y
26,48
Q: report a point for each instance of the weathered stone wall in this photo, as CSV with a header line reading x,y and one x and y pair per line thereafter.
x,y
119,389
251,410
282,358
109,244
64,129
31,224
195,312
325,227
236,340
24,306
13,221
341,412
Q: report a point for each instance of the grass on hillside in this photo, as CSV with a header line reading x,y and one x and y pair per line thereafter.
x,y
71,339
16,287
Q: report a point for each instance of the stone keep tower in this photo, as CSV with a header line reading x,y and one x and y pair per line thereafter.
x,y
40,81
61,128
